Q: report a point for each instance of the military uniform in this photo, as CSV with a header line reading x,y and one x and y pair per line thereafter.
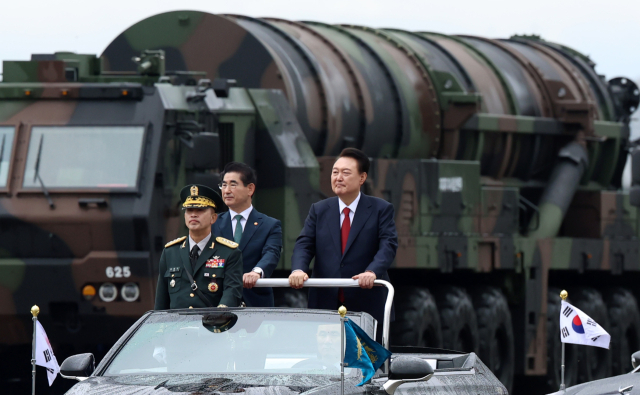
x,y
218,275
218,270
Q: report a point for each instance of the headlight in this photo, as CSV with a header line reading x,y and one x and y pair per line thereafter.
x,y
130,292
108,292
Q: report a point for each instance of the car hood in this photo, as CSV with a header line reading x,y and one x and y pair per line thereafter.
x,y
212,384
610,385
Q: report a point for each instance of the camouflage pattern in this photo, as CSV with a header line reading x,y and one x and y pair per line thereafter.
x,y
466,136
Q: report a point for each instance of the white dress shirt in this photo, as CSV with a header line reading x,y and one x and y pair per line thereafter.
x,y
352,207
243,221
202,244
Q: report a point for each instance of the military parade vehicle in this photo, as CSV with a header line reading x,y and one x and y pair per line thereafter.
x,y
503,159
267,351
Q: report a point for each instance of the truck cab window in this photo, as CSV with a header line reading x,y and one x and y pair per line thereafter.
x,y
84,156
6,143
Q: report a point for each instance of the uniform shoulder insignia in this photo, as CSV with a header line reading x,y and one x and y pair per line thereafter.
x,y
176,241
226,242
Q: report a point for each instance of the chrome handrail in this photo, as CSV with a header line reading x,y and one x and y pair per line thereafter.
x,y
339,283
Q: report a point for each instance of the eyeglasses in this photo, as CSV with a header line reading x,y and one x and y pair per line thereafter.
x,y
224,185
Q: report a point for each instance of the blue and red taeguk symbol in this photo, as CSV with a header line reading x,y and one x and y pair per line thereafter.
x,y
577,324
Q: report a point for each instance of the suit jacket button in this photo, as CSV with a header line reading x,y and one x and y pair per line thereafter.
x,y
191,295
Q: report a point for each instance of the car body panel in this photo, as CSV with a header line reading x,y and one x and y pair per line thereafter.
x,y
455,372
610,385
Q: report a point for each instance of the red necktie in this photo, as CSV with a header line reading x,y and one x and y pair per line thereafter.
x,y
344,235
346,227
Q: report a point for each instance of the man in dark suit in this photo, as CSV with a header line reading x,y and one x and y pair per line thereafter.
x,y
351,235
259,236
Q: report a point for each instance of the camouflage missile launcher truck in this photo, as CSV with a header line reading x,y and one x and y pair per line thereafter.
x,y
503,160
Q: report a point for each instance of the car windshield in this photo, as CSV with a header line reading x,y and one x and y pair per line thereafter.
x,y
84,156
6,143
257,343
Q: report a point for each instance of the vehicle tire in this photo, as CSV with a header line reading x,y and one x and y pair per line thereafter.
x,y
624,328
292,298
457,319
417,319
495,331
594,363
554,347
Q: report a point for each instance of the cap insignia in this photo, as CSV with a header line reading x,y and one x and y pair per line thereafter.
x,y
194,191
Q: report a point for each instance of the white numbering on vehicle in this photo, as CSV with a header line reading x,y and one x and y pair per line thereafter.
x,y
118,271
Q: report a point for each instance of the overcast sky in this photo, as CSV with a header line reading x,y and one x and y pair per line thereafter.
x,y
607,30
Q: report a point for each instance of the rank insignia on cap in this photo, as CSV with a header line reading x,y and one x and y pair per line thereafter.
x,y
172,283
213,286
200,196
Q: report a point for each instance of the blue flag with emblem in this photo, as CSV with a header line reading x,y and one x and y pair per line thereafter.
x,y
363,352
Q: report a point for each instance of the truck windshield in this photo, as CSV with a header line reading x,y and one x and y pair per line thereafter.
x,y
84,156
6,143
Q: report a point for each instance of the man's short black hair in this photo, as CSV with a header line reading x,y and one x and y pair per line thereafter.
x,y
247,174
359,156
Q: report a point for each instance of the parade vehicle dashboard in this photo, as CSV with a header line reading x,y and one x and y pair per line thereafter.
x,y
262,350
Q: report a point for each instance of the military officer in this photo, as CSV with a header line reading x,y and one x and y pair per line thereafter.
x,y
199,270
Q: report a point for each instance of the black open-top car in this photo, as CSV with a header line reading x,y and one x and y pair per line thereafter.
x,y
624,384
265,350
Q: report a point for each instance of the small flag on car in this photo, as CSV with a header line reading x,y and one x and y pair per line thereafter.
x,y
578,328
44,354
362,351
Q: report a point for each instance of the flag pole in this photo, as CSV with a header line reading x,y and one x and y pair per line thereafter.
x,y
35,310
343,312
563,295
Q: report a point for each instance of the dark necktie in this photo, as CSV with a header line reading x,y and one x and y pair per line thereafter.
x,y
237,235
344,236
193,256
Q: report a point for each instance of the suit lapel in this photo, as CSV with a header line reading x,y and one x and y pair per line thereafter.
x,y
362,214
250,228
225,226
333,224
206,254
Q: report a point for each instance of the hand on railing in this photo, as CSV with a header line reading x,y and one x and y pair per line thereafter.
x,y
297,279
365,280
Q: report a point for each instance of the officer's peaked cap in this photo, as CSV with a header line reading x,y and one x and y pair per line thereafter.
x,y
200,196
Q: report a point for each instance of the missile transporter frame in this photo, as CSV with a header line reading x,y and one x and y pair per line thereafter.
x,y
503,160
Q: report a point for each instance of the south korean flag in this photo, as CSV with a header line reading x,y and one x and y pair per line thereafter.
x,y
44,354
578,328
